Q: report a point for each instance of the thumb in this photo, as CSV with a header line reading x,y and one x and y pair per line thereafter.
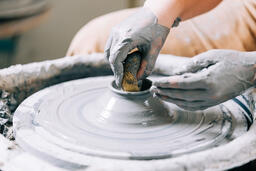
x,y
197,64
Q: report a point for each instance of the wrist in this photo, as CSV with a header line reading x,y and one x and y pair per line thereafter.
x,y
251,60
166,11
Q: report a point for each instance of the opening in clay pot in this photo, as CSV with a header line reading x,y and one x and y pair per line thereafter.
x,y
121,109
145,87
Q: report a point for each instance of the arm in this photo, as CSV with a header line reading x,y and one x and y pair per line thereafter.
x,y
147,30
168,10
209,79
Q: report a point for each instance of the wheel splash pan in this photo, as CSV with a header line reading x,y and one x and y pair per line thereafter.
x,y
78,122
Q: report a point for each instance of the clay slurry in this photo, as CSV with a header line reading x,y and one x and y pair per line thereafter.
x,y
84,118
131,67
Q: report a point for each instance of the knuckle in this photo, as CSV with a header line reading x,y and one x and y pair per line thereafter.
x,y
213,51
194,61
126,40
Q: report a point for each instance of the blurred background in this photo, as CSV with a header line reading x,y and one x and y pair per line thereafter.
x,y
37,30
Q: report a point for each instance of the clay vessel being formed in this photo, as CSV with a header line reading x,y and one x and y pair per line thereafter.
x,y
92,117
118,109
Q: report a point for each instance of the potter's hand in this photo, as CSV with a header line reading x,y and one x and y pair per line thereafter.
x,y
141,31
209,79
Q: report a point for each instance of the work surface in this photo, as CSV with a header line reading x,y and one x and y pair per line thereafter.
x,y
84,118
235,153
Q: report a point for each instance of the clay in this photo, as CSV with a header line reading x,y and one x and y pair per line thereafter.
x,y
131,67
85,118
21,81
136,32
7,107
228,73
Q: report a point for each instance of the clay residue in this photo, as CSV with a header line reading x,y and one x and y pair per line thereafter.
x,y
131,67
20,81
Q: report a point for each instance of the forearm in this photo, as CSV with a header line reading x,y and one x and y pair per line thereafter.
x,y
168,10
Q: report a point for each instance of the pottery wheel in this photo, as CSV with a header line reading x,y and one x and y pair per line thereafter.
x,y
58,121
20,8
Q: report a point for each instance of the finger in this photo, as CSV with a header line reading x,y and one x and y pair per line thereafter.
x,y
147,64
187,95
150,57
108,47
189,67
179,102
196,64
118,54
185,81
143,65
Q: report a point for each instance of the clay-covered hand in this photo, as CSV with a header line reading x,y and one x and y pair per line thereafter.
x,y
209,79
142,31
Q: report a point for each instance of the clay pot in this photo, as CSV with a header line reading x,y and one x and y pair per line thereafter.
x,y
118,109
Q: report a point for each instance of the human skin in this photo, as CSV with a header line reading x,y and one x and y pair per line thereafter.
x,y
139,31
143,31
209,79
168,10
231,25
235,18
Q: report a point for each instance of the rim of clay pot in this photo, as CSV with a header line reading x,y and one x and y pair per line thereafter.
x,y
146,85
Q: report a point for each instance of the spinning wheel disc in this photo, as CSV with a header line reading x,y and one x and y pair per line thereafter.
x,y
84,117
20,8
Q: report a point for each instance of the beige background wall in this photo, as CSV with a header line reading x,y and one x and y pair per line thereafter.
x,y
51,39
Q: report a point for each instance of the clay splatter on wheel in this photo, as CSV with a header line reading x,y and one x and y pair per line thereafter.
x,y
89,119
